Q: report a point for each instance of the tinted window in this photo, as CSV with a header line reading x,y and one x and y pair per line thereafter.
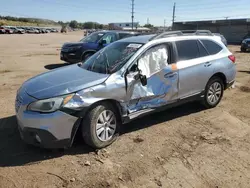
x,y
202,50
124,35
109,37
211,47
187,49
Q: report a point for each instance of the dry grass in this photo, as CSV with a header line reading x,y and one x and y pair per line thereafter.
x,y
17,23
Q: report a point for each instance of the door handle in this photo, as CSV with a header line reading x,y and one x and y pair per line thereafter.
x,y
170,74
207,64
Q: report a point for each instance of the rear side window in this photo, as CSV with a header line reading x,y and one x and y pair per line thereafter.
x,y
211,47
124,35
187,49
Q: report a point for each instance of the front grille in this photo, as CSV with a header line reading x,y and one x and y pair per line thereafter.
x,y
248,42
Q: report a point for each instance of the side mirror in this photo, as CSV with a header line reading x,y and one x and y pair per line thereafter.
x,y
143,80
102,42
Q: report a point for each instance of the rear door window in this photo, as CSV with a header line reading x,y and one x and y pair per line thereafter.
x,y
211,47
202,50
187,49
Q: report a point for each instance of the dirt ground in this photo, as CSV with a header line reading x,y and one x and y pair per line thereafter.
x,y
186,146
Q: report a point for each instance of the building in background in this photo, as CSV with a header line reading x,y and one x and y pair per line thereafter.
x,y
118,26
127,26
233,29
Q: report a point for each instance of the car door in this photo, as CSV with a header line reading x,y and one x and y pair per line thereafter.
x,y
161,76
194,67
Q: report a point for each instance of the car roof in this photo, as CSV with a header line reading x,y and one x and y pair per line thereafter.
x,y
138,39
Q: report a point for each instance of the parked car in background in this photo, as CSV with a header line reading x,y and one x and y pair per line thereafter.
x,y
223,39
74,52
125,80
32,30
245,44
2,30
17,30
54,30
8,30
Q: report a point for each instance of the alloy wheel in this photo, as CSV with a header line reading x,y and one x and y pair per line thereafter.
x,y
106,125
214,93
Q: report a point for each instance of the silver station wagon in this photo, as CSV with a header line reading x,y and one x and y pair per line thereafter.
x,y
125,80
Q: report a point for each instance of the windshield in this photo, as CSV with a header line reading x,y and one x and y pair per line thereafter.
x,y
111,58
93,37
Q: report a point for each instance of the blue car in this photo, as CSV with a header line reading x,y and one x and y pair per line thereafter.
x,y
75,52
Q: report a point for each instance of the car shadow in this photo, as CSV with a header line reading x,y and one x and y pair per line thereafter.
x,y
242,71
238,51
163,116
14,152
54,66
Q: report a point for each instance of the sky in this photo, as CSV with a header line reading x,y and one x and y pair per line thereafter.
x,y
107,11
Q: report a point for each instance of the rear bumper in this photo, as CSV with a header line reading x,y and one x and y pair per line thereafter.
x,y
229,84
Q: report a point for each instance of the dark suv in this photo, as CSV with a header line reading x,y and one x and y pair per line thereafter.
x,y
75,52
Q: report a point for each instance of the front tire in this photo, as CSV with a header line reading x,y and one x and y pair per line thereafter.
x,y
100,126
243,49
86,56
213,92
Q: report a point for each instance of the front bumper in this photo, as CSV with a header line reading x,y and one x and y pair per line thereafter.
x,y
70,57
245,45
50,130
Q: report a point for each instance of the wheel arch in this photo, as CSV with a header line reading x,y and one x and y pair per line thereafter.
x,y
88,52
82,114
222,77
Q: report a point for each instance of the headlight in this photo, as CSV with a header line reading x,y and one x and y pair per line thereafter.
x,y
244,41
74,48
72,101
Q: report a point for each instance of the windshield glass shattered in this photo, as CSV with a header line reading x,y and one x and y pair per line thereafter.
x,y
93,37
111,58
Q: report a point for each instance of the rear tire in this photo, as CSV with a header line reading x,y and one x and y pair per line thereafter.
x,y
213,92
101,126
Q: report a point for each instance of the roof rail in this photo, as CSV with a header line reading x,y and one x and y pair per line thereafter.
x,y
197,32
167,34
181,33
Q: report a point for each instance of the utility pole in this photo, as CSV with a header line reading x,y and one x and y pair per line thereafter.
x,y
173,17
164,25
132,16
148,21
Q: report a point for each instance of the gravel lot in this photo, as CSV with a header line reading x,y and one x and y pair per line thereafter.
x,y
185,146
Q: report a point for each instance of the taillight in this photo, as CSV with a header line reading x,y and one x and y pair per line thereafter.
x,y
232,58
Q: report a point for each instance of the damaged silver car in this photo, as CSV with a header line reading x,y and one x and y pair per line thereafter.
x,y
125,80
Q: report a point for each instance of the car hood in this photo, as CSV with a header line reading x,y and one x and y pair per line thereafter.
x,y
62,81
72,44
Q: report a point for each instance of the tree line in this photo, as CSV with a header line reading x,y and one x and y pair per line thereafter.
x,y
86,25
